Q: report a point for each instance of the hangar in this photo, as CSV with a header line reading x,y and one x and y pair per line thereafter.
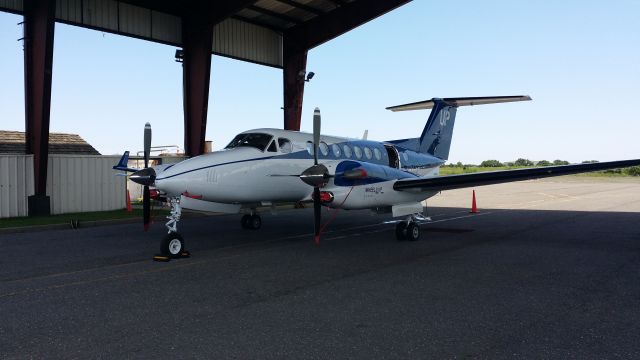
x,y
276,33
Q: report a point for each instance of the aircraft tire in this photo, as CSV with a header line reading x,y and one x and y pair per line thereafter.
x,y
172,245
401,231
244,221
255,222
413,232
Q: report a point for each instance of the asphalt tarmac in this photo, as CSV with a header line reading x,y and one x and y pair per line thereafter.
x,y
546,269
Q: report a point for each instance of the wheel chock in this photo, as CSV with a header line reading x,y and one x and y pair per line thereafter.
x,y
163,258
185,254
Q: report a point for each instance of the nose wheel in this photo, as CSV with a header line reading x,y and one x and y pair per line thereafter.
x,y
172,245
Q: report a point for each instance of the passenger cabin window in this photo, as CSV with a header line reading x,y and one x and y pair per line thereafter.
x,y
255,140
347,151
377,154
324,148
336,150
285,145
367,153
358,152
272,147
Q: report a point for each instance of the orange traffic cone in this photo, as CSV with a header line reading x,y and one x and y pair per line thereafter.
x,y
128,202
474,208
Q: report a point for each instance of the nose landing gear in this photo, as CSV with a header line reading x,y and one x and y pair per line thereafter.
x,y
172,245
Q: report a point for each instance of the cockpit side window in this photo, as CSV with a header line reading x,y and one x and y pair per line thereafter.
x,y
272,147
285,145
255,140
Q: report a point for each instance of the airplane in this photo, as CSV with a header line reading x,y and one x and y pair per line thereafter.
x,y
267,167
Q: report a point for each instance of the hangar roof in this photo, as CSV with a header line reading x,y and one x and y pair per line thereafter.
x,y
13,142
250,30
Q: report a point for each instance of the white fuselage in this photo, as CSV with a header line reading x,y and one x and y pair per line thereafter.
x,y
248,175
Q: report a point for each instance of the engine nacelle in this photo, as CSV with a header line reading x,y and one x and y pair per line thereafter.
x,y
360,185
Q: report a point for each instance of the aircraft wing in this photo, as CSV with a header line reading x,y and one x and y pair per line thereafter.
x,y
449,182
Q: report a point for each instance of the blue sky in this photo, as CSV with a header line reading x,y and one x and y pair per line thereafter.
x,y
579,60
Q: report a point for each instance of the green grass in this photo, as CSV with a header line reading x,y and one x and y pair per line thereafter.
x,y
66,218
455,170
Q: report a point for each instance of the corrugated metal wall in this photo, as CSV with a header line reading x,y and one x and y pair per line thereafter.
x,y
233,38
16,183
75,183
81,183
242,40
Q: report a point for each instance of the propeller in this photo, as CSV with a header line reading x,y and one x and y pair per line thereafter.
x,y
145,177
315,176
146,195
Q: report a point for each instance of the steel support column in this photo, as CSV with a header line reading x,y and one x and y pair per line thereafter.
x,y
197,39
39,25
294,63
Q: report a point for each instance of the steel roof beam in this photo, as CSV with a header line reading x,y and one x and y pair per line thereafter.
x,y
211,12
197,41
274,14
337,3
339,21
300,6
257,23
39,17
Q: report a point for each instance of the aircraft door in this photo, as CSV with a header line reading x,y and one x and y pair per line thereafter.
x,y
392,152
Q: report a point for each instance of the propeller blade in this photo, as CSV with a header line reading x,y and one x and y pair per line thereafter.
x,y
316,134
317,213
147,144
146,208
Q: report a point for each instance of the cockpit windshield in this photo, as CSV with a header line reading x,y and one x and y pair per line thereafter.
x,y
256,140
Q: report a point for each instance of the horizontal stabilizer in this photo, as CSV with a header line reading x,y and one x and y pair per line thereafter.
x,y
449,182
465,101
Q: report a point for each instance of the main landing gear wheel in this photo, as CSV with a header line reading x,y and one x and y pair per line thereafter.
x,y
410,231
413,231
244,221
401,231
251,222
172,245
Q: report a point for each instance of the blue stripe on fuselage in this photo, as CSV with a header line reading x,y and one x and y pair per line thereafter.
x,y
409,159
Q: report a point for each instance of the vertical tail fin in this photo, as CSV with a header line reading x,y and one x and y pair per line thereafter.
x,y
123,163
437,133
436,136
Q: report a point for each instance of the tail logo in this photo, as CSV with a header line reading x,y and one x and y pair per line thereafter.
x,y
444,117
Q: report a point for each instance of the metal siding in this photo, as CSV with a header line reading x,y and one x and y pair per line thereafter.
x,y
15,5
246,41
135,20
101,14
84,183
69,10
165,27
16,184
232,37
